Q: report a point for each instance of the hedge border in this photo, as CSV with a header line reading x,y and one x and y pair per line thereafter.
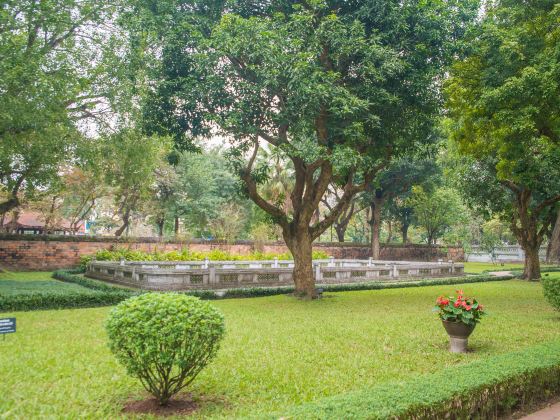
x,y
99,294
106,294
488,388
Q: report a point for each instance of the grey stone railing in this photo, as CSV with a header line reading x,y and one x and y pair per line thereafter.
x,y
510,253
189,275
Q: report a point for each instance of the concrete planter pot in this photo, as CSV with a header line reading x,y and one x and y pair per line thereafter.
x,y
459,333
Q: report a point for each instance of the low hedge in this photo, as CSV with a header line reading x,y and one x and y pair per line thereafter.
x,y
551,290
71,276
489,388
97,294
36,301
105,294
269,291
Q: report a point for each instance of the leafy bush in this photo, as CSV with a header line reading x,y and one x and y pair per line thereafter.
x,y
52,300
95,293
489,388
164,339
69,277
551,290
186,255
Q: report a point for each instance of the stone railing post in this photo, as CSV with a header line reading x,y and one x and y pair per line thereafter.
x,y
318,275
211,273
275,265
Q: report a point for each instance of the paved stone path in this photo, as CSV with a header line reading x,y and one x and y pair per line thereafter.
x,y
500,273
548,413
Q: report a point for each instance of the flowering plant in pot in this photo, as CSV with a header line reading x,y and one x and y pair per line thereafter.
x,y
459,316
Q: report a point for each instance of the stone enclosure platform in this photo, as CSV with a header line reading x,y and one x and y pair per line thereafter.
x,y
201,275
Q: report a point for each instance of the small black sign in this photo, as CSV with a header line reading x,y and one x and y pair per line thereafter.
x,y
7,325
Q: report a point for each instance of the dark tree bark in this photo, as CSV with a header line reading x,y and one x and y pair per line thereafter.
x,y
298,229
176,228
404,231
126,223
160,224
376,205
389,231
343,220
525,223
13,202
553,251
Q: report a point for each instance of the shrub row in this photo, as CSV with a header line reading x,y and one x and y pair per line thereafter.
x,y
269,291
186,255
71,276
35,301
490,388
103,294
97,294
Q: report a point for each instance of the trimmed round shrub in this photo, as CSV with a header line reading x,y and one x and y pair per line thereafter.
x,y
551,290
164,339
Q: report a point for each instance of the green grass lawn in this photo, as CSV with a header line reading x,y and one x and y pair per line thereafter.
x,y
479,267
16,283
277,351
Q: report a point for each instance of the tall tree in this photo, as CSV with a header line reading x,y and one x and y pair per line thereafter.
x,y
50,56
338,89
436,212
131,162
396,180
505,101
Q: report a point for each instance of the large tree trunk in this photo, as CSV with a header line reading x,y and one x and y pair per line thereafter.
x,y
389,232
525,227
9,204
160,224
340,232
553,251
404,231
376,207
176,226
300,244
126,222
532,270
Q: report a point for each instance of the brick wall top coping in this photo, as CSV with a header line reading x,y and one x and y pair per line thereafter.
x,y
156,240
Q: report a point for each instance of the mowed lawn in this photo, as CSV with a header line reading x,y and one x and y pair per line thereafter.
x,y
15,283
278,351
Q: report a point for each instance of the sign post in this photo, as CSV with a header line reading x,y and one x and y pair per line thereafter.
x,y
7,326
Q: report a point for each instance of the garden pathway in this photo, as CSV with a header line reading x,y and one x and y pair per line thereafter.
x,y
549,413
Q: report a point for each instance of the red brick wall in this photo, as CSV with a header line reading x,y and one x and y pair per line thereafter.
x,y
51,254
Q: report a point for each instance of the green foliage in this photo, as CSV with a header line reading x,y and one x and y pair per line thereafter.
x,y
461,309
268,332
486,389
26,292
551,290
71,276
57,300
186,255
53,76
164,339
437,212
504,106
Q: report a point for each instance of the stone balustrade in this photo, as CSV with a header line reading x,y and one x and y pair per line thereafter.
x,y
200,275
